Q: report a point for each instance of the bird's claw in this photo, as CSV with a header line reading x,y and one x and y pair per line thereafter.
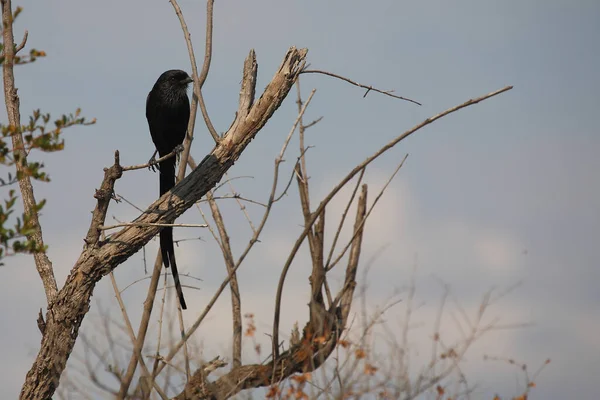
x,y
178,149
152,164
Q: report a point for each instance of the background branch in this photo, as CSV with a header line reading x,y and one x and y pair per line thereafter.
x,y
236,301
368,87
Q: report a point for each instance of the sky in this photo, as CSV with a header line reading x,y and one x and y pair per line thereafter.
x,y
500,194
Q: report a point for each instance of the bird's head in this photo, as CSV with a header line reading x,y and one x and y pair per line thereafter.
x,y
175,78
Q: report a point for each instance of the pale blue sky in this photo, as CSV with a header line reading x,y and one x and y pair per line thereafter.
x,y
514,175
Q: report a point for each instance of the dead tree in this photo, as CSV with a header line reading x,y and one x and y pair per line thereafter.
x,y
329,307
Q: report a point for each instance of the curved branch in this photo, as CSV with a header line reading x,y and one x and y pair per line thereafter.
x,y
23,42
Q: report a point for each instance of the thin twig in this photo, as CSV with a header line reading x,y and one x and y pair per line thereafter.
x,y
369,211
186,355
242,207
368,87
210,228
23,42
149,277
238,197
153,162
131,334
199,79
119,197
287,186
226,181
343,218
159,328
313,123
142,329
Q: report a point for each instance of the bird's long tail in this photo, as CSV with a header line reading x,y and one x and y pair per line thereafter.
x,y
167,249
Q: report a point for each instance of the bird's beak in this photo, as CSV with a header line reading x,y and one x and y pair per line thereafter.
x,y
188,80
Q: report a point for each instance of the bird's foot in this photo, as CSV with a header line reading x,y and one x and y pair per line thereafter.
x,y
152,164
178,149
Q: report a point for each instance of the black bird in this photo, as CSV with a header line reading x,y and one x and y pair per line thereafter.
x,y
168,113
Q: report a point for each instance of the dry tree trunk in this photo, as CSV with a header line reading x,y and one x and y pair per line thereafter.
x,y
66,313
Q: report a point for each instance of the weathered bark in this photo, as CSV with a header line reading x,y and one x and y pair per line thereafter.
x,y
71,304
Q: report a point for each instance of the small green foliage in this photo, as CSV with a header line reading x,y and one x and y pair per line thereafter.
x,y
14,235
29,58
36,135
17,12
33,55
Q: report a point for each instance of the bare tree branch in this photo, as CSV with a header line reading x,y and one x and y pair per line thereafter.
x,y
159,329
199,79
343,218
11,98
143,328
239,200
333,264
23,42
236,301
153,162
131,334
368,87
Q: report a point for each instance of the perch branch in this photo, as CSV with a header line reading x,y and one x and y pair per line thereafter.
x,y
153,162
